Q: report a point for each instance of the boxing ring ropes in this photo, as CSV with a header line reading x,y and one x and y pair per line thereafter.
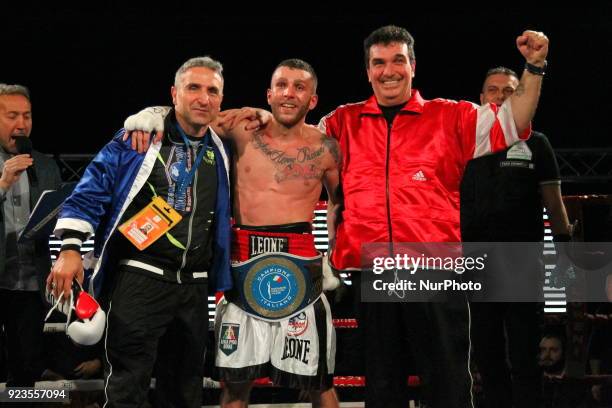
x,y
583,165
555,309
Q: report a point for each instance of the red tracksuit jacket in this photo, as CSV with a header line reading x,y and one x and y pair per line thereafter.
x,y
401,182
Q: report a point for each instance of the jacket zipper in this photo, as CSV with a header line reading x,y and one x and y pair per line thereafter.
x,y
390,227
194,190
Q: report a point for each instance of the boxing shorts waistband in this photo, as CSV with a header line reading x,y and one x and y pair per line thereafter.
x,y
248,241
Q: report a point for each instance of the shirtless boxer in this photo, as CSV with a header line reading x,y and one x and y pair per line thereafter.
x,y
279,174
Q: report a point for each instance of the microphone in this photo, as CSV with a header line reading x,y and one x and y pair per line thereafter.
x,y
24,146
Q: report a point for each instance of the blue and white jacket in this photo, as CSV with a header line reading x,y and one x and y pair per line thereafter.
x,y
110,183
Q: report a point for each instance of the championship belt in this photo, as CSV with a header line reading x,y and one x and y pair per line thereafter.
x,y
275,285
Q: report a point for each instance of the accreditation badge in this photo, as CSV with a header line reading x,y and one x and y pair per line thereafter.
x,y
150,223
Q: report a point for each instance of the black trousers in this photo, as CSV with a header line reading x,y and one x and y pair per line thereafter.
x,y
144,313
22,316
497,327
429,339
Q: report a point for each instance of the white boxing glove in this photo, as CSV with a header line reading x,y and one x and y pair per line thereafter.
x,y
148,119
88,327
85,319
330,281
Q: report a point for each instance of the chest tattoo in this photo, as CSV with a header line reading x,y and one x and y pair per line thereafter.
x,y
306,164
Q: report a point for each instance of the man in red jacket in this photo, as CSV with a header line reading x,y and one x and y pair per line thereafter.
x,y
403,162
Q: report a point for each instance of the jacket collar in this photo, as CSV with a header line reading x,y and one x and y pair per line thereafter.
x,y
170,124
415,105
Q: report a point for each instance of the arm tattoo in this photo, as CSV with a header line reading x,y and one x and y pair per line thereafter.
x,y
334,148
520,90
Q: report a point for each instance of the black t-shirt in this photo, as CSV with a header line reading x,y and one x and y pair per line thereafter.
x,y
390,112
500,193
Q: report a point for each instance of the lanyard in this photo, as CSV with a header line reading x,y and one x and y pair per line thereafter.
x,y
185,177
171,238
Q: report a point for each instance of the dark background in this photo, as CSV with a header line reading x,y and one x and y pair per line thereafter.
x,y
88,69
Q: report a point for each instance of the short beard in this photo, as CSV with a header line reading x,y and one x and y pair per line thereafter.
x,y
289,123
556,368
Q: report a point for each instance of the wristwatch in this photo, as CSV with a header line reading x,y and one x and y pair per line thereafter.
x,y
534,69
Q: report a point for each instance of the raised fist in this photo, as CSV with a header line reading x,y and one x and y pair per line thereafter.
x,y
533,45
